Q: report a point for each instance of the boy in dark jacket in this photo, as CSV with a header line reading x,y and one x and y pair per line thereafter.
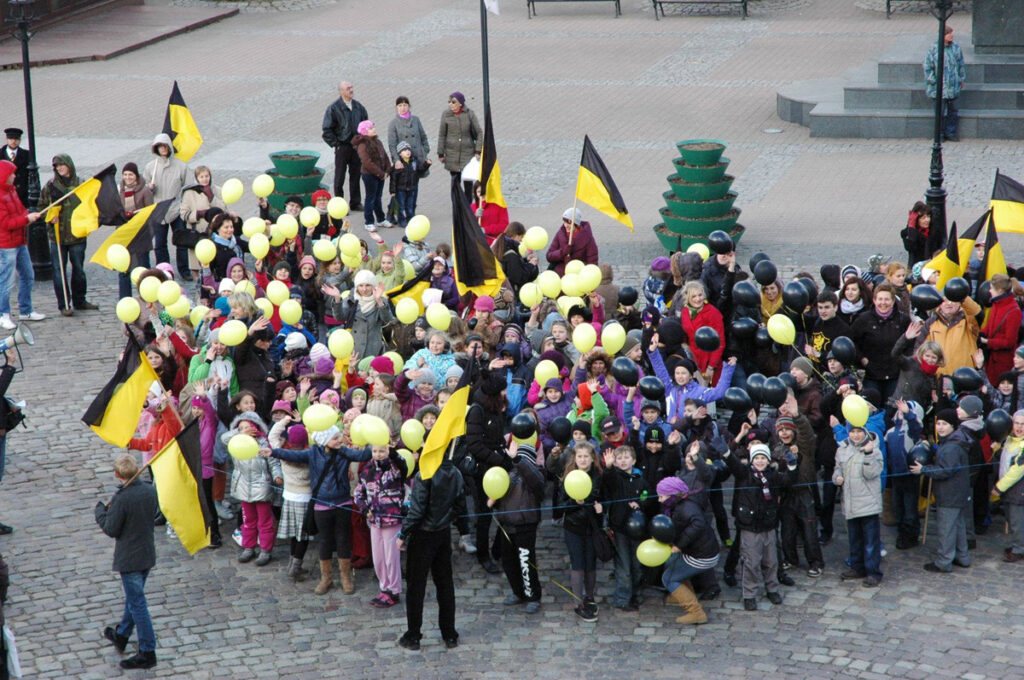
x,y
797,515
624,488
519,516
904,434
405,182
657,459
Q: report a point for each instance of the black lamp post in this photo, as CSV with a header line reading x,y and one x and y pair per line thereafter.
x,y
935,195
38,244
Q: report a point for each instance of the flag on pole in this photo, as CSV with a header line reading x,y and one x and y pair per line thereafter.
x,y
136,234
492,6
450,423
99,202
992,262
476,268
114,413
490,171
947,263
181,127
178,476
965,241
596,188
412,289
1008,204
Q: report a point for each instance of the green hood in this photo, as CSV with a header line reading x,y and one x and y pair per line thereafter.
x,y
70,182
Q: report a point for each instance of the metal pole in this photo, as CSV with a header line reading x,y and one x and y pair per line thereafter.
x,y
483,47
935,195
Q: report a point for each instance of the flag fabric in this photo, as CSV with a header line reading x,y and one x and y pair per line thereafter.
x,y
451,423
992,262
476,268
947,263
490,171
178,476
99,203
114,413
965,242
136,234
596,188
492,6
1008,204
412,289
181,127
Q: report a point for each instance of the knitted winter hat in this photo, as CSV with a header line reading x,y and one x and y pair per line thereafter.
x,y
318,351
281,386
402,146
554,384
426,376
298,437
331,397
650,403
282,405
320,193
365,276
294,341
786,423
455,371
581,426
307,259
484,304
660,264
630,343
802,365
325,436
672,486
971,405
759,450
383,364
364,127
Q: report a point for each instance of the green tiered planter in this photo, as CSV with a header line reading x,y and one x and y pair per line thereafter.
x,y
699,200
295,174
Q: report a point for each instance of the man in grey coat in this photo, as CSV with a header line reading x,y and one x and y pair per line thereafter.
x,y
128,518
341,119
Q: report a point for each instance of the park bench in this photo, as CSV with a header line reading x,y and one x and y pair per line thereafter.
x,y
531,6
660,4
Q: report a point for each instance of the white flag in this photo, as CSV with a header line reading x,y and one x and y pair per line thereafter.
x,y
492,6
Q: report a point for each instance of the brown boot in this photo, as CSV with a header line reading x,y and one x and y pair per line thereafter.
x,y
325,578
685,598
345,567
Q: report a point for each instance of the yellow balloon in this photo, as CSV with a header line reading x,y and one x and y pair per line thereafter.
x,y
128,309
205,251
355,431
544,371
584,337
324,250
590,278
613,337
263,185
652,553
179,308
376,430
396,360
197,314
277,291
168,293
550,284
535,238
574,267
149,288
410,461
245,286
352,262
232,190
496,482
232,333
413,433
319,417
856,410
259,246
565,303
409,270
349,245
243,447
340,342
290,312
438,316
700,249
136,275
266,306
781,329
418,228
578,485
253,226
530,294
337,208
523,250
119,257
309,216
407,310
277,236
288,228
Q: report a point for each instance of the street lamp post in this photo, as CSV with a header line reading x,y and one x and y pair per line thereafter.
x,y
38,245
935,195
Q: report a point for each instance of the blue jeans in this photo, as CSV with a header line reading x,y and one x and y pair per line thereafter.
x,y
581,551
372,210
677,572
950,116
136,612
628,575
12,259
124,281
160,245
406,205
74,291
865,545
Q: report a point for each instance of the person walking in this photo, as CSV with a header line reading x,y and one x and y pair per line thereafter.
x,y
460,139
954,74
128,519
14,256
341,120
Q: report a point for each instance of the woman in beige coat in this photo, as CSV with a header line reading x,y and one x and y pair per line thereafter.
x,y
196,200
460,138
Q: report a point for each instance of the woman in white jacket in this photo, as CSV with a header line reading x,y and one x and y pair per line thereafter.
x,y
166,176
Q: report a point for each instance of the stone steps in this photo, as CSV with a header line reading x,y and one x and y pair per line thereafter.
x,y
832,119
904,96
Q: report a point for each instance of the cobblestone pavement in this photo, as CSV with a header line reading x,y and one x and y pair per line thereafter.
x,y
636,86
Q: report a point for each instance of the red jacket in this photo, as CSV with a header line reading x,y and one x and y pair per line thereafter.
x,y
13,215
583,247
494,220
1001,329
707,316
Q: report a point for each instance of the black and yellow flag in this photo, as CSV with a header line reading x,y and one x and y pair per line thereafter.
x,y
180,127
596,188
412,289
99,202
178,476
1008,204
114,413
490,171
136,234
992,262
947,263
476,268
965,241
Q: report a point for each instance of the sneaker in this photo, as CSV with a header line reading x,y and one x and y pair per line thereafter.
x,y
372,228
585,613
850,575
750,604
236,536
264,559
224,510
140,660
786,580
871,582
814,572
5,322
466,544
87,307
532,607
386,224
7,529
786,566
512,600
408,642
246,555
1012,557
452,642
382,601
936,569
119,641
775,598
170,531
34,316
628,607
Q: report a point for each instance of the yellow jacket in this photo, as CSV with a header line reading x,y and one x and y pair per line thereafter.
x,y
958,337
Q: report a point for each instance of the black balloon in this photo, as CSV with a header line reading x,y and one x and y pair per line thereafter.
x,y
755,259
765,272
636,525
744,328
560,430
744,293
663,529
999,424
984,294
967,379
810,287
523,426
956,289
773,392
737,399
925,297
628,296
755,381
706,338
844,350
763,339
651,388
625,371
922,453
795,296
788,379
719,242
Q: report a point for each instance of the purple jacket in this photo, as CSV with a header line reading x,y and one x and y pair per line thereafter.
x,y
676,395
409,398
207,435
583,247
449,291
550,412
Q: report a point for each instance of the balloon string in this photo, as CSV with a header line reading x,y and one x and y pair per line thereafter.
x,y
535,567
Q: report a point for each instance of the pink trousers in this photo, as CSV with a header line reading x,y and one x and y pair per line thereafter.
x,y
387,560
258,520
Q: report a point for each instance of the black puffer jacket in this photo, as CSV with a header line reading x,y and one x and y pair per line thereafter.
x,y
484,439
520,506
753,511
578,517
952,486
694,536
618,485
875,337
436,503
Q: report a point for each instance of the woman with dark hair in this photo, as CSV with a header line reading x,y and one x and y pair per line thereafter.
x,y
459,139
485,442
918,239
222,231
518,269
854,298
493,218
405,127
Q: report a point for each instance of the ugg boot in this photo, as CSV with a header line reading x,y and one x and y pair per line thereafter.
x,y
685,598
325,578
345,567
888,514
295,569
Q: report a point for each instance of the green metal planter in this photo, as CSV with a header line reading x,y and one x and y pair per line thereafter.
x,y
700,174
701,151
698,209
303,184
673,242
295,162
705,225
686,191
